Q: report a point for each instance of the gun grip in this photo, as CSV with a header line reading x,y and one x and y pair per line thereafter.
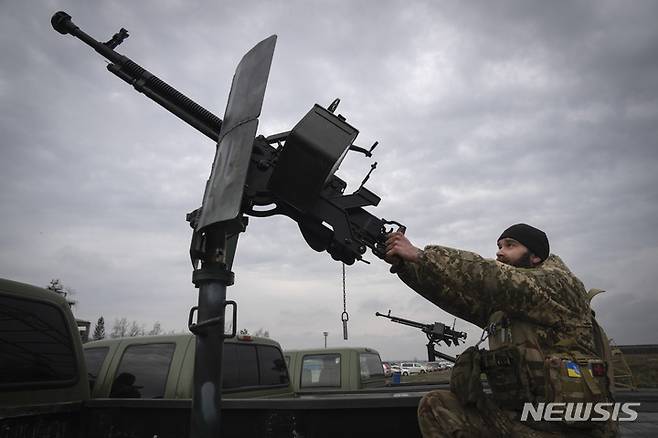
x,y
396,260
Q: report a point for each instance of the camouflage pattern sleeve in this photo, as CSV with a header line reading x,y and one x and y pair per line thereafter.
x,y
472,287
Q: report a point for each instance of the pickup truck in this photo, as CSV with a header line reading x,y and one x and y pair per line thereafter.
x,y
334,369
45,385
163,366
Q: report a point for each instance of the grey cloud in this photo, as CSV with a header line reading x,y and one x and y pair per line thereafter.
x,y
526,111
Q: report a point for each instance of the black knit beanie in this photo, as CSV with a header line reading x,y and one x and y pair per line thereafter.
x,y
530,237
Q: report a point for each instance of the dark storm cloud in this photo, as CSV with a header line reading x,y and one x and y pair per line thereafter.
x,y
487,114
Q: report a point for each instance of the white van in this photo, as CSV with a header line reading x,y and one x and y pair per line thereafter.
x,y
412,368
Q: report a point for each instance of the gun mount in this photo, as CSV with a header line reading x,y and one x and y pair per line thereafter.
x,y
436,333
293,172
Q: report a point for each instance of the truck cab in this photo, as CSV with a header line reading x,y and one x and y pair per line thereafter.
x,y
163,366
41,359
334,369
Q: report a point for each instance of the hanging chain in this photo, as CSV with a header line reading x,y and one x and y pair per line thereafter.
x,y
344,316
344,292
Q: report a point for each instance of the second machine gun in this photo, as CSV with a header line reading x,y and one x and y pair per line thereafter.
x,y
436,333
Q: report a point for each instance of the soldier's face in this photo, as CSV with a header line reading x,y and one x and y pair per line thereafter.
x,y
515,254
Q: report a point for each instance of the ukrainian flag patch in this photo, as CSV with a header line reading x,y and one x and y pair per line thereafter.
x,y
573,370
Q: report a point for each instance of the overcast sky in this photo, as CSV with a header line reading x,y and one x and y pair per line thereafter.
x,y
486,113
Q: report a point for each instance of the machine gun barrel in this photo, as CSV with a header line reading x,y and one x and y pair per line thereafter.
x,y
144,81
408,322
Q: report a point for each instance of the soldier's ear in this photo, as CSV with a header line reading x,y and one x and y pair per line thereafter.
x,y
534,259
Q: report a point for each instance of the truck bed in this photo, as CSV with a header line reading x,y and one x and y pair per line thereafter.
x,y
375,413
351,415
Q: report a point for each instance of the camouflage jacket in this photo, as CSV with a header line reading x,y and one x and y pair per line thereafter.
x,y
472,288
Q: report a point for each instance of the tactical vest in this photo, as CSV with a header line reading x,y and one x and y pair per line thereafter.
x,y
518,371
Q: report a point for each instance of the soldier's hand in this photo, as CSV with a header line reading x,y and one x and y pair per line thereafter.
x,y
399,249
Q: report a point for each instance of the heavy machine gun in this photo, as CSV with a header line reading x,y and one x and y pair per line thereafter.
x,y
436,333
291,173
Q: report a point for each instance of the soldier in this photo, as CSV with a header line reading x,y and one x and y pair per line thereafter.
x,y
545,345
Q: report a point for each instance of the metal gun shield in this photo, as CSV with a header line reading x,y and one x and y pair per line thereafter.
x,y
223,195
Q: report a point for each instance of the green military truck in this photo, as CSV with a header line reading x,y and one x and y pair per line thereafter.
x,y
140,387
163,367
334,369
41,356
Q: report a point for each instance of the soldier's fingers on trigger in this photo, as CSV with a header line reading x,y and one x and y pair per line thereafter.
x,y
394,237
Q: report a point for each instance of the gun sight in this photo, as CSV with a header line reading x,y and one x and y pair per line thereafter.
x,y
117,38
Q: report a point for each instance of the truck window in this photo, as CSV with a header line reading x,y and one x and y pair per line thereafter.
x,y
253,366
320,370
240,366
273,370
371,366
94,358
142,371
37,347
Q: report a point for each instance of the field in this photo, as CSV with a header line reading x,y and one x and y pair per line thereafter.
x,y
644,368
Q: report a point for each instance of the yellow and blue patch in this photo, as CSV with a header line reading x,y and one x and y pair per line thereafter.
x,y
573,370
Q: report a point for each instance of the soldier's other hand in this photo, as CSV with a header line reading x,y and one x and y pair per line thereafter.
x,y
399,249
